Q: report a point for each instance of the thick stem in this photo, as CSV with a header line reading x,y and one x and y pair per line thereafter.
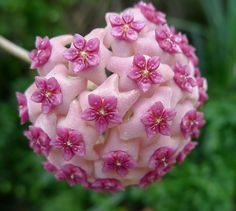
x,y
14,49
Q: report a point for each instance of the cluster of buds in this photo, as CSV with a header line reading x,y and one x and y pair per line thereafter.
x,y
119,107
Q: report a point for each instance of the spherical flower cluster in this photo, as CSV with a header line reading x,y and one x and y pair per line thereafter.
x,y
119,107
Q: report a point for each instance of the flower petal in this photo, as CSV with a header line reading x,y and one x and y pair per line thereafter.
x,y
71,54
95,101
79,42
117,31
93,59
89,115
115,20
139,61
131,34
101,124
93,45
153,63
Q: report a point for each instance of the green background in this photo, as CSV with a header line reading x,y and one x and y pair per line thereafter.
x,y
205,182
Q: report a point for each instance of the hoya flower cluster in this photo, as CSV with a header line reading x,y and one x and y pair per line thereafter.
x,y
119,106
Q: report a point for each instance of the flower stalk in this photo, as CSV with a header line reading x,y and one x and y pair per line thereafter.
x,y
14,49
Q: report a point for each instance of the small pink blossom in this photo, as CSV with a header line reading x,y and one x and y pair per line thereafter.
x,y
186,150
145,73
72,175
149,178
156,120
103,111
48,93
22,107
162,159
125,27
83,53
41,54
118,161
168,40
70,142
39,140
49,167
149,11
183,79
191,123
107,185
200,83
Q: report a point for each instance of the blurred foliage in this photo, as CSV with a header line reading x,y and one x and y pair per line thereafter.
x,y
206,181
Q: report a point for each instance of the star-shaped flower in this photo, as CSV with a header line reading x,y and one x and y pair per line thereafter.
x,y
167,40
22,107
106,104
103,110
183,78
70,142
145,73
49,167
201,83
41,54
39,140
133,127
191,123
125,27
162,158
149,178
156,119
118,161
48,93
72,175
186,150
108,185
149,11
131,74
83,54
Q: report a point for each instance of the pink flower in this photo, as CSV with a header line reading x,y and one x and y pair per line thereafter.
x,y
48,93
149,11
145,73
125,27
72,175
162,159
168,40
186,150
191,123
108,185
156,120
183,79
83,54
200,83
39,140
22,107
118,161
49,167
70,142
103,111
42,53
149,178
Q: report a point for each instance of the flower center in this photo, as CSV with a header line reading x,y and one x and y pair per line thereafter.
x,y
145,73
163,160
102,112
83,54
48,94
125,27
118,163
158,120
68,143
